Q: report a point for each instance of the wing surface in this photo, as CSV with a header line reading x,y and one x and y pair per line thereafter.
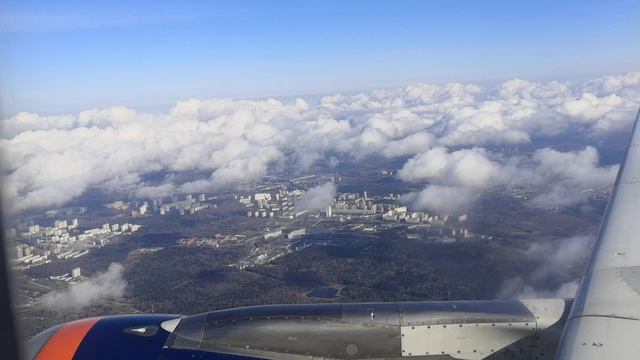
x,y
604,322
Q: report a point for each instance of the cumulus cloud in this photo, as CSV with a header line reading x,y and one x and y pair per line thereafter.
x,y
115,148
456,176
53,159
517,288
559,255
625,85
318,198
442,199
410,145
466,168
107,285
556,258
567,175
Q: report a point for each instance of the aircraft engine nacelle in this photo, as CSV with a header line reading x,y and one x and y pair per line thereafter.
x,y
527,329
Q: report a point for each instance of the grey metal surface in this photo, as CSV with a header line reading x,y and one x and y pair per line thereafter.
x,y
443,312
604,322
354,331
631,275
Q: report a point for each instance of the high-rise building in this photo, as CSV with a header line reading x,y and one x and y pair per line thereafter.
x,y
75,273
119,205
262,197
60,224
272,234
296,233
328,212
34,229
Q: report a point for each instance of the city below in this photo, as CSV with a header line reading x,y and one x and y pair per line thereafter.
x,y
283,240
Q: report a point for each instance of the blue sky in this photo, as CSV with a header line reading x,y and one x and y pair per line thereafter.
x,y
62,56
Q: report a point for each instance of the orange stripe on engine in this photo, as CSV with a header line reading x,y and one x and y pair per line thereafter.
x,y
64,343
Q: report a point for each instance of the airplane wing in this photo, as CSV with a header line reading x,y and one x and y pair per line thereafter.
x,y
601,323
604,321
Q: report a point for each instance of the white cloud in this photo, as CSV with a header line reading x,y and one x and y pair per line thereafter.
x,y
455,176
516,288
556,258
53,159
626,85
442,199
567,175
114,148
466,168
410,145
318,198
107,285
558,255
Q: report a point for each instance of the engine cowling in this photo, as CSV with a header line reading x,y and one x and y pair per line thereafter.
x,y
472,330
